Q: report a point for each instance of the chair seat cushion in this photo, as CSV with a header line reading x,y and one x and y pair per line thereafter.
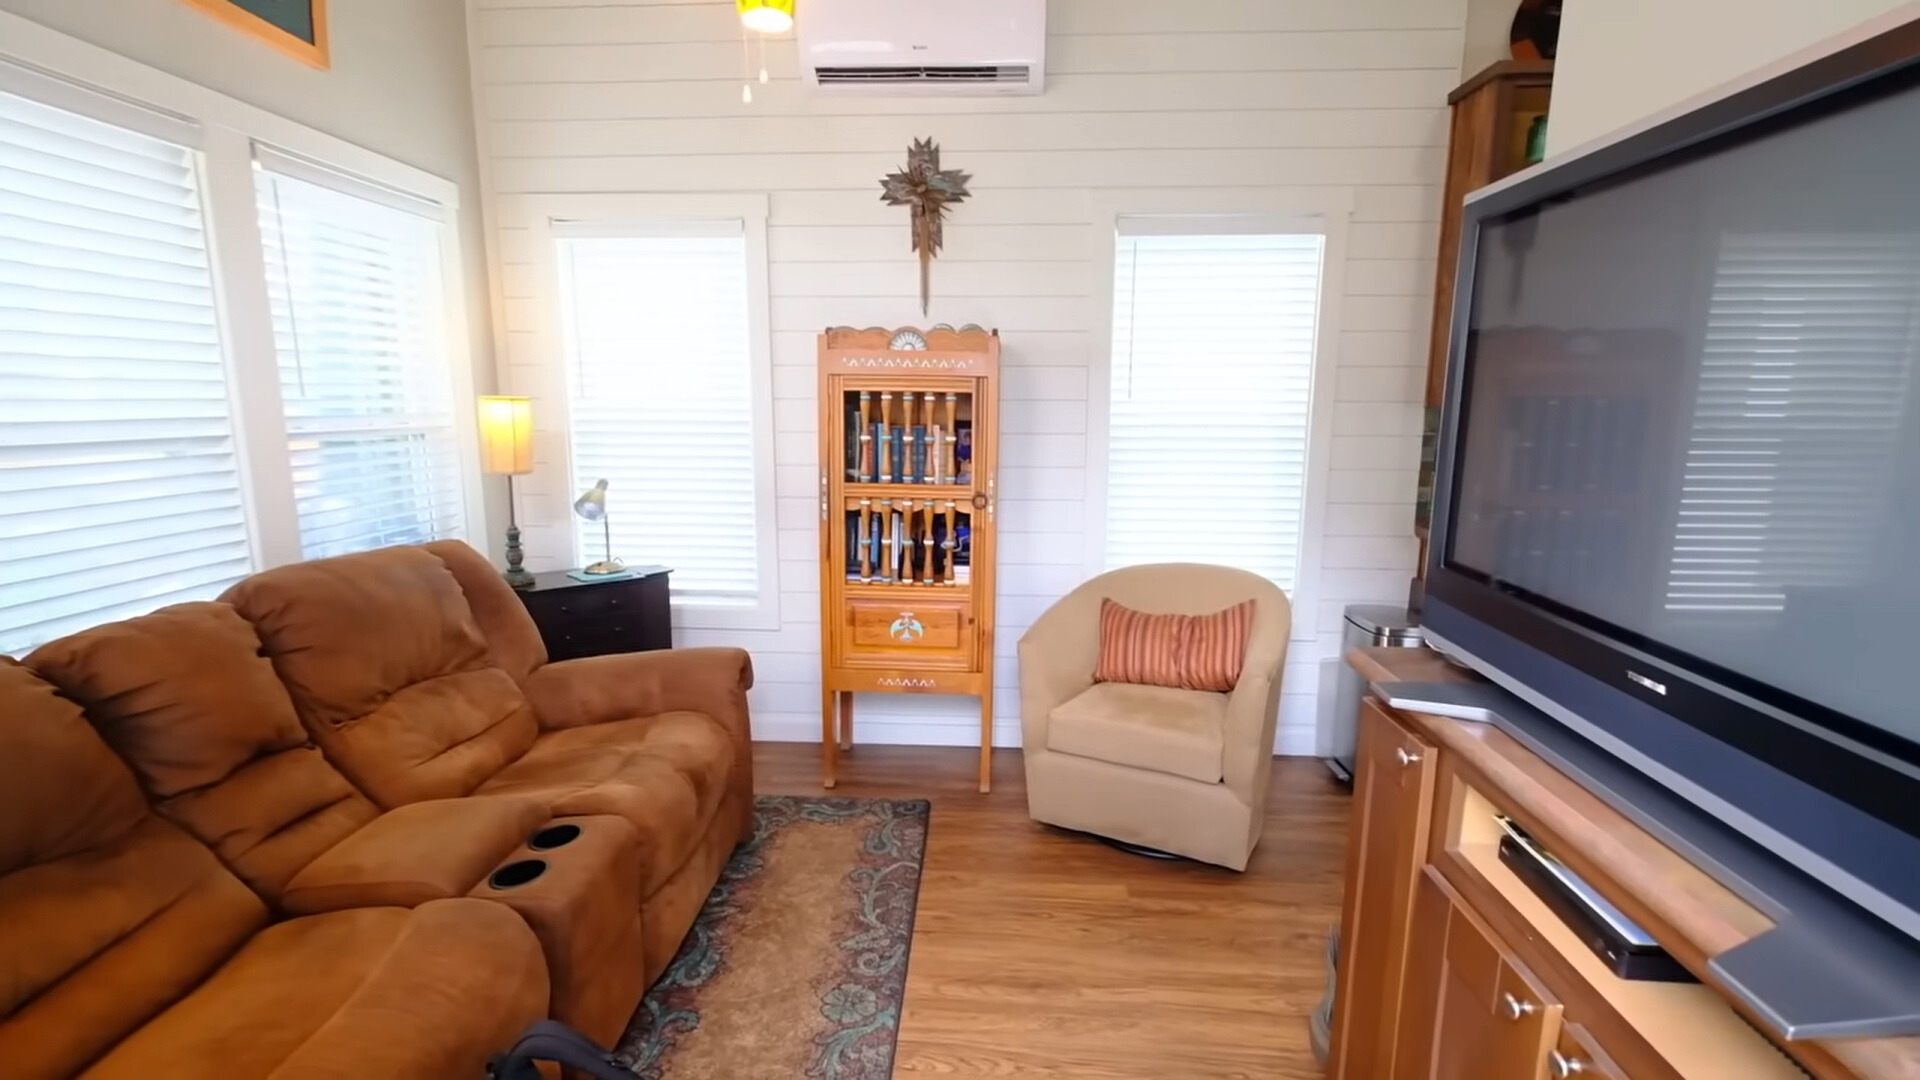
x,y
665,774
426,993
1147,727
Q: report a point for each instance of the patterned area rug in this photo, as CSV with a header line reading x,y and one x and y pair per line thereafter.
x,y
796,965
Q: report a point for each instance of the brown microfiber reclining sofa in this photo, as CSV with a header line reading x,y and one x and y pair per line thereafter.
x,y
349,823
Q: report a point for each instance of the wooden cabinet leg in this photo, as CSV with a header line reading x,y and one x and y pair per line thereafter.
x,y
986,740
846,720
829,737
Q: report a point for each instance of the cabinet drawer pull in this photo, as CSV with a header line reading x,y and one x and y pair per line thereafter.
x,y
1406,756
1561,1066
1517,1008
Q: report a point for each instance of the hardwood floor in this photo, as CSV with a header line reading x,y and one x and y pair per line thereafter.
x,y
1039,952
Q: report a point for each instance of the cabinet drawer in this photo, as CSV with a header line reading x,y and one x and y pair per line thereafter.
x,y
1576,1056
938,629
1521,1020
613,632
598,601
630,615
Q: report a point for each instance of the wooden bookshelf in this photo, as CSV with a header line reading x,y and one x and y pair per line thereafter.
x,y
1492,115
908,446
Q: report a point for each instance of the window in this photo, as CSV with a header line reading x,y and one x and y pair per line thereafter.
x,y
658,336
354,279
227,342
1797,417
119,484
1211,378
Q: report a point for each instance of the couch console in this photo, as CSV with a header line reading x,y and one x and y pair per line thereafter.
x,y
576,881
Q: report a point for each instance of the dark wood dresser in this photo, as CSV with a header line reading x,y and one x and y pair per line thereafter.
x,y
590,618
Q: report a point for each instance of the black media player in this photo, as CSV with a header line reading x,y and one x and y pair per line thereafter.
x,y
1629,951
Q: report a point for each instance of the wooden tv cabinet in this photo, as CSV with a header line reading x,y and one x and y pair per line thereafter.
x,y
1451,969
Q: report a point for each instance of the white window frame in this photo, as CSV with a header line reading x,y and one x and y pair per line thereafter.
x,y
546,498
1197,211
64,71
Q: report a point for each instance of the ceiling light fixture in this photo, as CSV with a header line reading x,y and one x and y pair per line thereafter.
x,y
766,16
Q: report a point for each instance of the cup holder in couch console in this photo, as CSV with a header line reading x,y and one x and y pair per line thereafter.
x,y
515,874
554,836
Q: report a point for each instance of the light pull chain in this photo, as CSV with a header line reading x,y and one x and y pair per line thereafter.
x,y
746,69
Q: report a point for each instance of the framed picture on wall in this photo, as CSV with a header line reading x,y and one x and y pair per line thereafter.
x,y
295,27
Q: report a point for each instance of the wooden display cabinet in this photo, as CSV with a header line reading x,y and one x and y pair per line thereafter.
x,y
1493,113
908,447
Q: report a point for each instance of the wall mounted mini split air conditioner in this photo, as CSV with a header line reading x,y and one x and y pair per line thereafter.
x,y
982,47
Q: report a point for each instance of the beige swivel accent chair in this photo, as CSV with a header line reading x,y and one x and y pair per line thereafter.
x,y
1181,771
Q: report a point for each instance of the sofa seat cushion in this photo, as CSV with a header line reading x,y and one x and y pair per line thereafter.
x,y
424,993
1147,727
665,774
95,944
108,915
415,853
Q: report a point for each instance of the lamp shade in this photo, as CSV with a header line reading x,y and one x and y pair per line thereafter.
x,y
592,503
766,16
506,435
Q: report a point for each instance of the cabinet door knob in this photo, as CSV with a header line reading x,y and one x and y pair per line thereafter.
x,y
1406,756
1517,1008
1561,1066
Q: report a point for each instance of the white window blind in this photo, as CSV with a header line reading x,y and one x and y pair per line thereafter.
x,y
119,488
355,282
1797,416
1213,346
655,322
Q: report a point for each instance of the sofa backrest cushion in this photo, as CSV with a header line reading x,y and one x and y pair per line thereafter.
x,y
61,790
107,914
512,638
389,672
186,698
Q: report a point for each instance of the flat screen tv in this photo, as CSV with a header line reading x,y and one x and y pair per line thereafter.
x,y
1678,495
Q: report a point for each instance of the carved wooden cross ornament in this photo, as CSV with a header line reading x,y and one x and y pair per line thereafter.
x,y
927,189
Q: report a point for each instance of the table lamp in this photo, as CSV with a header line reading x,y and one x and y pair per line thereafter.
x,y
506,449
592,506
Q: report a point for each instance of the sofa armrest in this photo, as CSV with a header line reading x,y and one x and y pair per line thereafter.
x,y
619,686
409,855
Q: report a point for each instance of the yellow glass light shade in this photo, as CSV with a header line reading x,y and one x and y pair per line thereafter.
x,y
506,435
766,16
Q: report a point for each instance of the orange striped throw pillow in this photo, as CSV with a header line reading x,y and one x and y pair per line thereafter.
x,y
1186,652
1136,647
1216,648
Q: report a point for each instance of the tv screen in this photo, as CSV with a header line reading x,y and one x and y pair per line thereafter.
x,y
1688,416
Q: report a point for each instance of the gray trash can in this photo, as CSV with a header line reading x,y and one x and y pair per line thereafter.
x,y
1366,624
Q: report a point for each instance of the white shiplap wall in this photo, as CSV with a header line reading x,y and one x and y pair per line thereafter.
x,y
1333,101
